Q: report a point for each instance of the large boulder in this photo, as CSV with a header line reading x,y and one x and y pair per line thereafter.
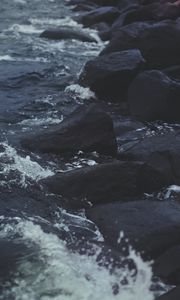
x,y
158,150
88,129
154,12
110,75
107,182
159,43
67,33
174,294
102,14
151,226
167,266
154,96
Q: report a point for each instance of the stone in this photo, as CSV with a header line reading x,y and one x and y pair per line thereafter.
x,y
67,33
151,226
110,75
87,129
154,96
107,182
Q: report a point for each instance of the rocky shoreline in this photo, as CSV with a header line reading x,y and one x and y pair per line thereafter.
x,y
130,127
139,72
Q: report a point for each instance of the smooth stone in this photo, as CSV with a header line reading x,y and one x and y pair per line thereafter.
x,y
162,151
110,75
159,43
174,294
107,182
106,14
87,129
67,33
154,96
167,266
152,227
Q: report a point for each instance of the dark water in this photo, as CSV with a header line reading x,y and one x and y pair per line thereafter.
x,y
38,89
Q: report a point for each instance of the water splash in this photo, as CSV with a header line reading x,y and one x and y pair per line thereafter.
x,y
65,275
27,169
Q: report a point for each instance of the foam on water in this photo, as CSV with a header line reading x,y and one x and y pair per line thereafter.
x,y
27,29
67,21
11,58
170,189
65,275
28,169
80,92
42,121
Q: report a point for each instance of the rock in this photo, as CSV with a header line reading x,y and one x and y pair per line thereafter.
x,y
154,96
102,14
157,151
67,33
152,227
159,43
167,266
88,129
107,182
174,294
110,75
97,2
154,12
103,30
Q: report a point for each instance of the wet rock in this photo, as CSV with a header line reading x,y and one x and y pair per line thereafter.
x,y
174,294
103,30
88,129
159,151
159,43
102,14
67,33
154,12
154,96
167,266
107,182
110,75
152,227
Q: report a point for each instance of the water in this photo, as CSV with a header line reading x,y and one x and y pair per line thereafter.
x,y
38,89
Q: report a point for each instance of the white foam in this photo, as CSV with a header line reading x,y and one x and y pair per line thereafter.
x,y
55,22
42,121
80,92
11,58
27,29
62,275
20,1
170,189
6,58
27,168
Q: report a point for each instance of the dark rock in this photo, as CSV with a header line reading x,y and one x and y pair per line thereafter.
x,y
67,33
84,7
110,75
107,182
167,266
154,12
154,96
174,294
98,2
160,150
103,14
88,129
103,30
159,43
151,226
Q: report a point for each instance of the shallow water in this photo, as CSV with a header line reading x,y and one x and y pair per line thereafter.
x,y
38,89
